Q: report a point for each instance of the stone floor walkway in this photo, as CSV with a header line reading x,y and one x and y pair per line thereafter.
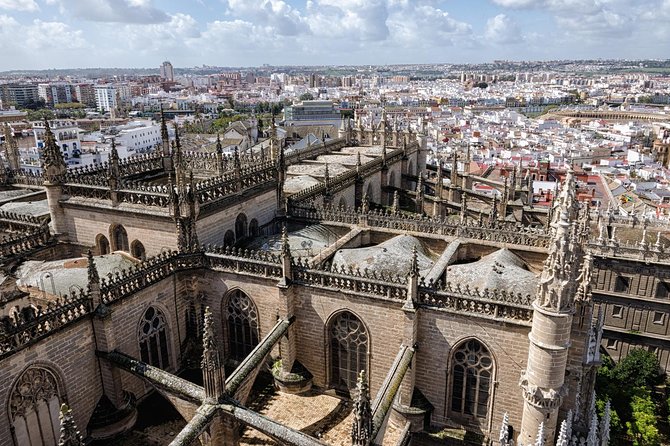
x,y
320,415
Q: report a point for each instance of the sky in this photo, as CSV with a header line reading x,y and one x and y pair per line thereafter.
x,y
41,34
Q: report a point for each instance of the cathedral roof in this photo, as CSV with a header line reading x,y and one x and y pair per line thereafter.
x,y
501,270
391,257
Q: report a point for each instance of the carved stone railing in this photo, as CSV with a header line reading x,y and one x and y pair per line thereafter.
x,y
25,178
30,325
138,277
212,162
23,242
630,250
142,163
495,304
255,263
321,148
502,232
346,179
360,282
214,189
632,221
145,195
14,221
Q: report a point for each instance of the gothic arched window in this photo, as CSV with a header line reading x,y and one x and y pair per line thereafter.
x,y
242,324
229,238
253,228
240,227
137,250
472,375
153,338
348,350
34,406
102,244
120,239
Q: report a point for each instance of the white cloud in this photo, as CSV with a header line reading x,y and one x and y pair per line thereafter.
x,y
19,5
425,25
39,36
182,31
502,30
114,11
282,17
350,20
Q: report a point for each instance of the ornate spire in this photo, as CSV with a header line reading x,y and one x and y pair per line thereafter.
x,y
219,147
69,434
212,368
464,207
113,171
395,208
559,280
361,428
165,137
54,164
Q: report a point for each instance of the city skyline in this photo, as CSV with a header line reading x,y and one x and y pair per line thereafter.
x,y
39,34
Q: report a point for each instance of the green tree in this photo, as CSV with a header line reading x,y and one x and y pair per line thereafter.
x,y
307,97
643,426
639,369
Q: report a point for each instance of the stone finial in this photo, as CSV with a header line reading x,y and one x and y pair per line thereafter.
x,y
395,208
361,428
219,147
464,207
540,440
164,131
285,246
605,425
414,267
503,437
358,159
69,434
213,373
326,176
657,245
365,204
93,276
564,433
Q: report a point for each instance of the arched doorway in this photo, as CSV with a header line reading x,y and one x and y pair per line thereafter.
x,y
349,344
241,324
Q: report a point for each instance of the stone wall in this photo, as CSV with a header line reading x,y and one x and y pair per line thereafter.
x,y
70,353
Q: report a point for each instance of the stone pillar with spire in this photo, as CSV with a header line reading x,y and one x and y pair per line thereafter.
x,y
213,373
113,174
54,171
419,194
121,409
361,426
543,382
220,169
281,180
69,434
165,145
11,149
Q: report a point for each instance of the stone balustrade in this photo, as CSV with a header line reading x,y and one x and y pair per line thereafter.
x,y
31,324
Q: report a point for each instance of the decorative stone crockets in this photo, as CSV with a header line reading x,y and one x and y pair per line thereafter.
x,y
69,434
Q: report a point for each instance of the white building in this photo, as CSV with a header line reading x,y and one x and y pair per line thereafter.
x,y
105,97
66,134
139,136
